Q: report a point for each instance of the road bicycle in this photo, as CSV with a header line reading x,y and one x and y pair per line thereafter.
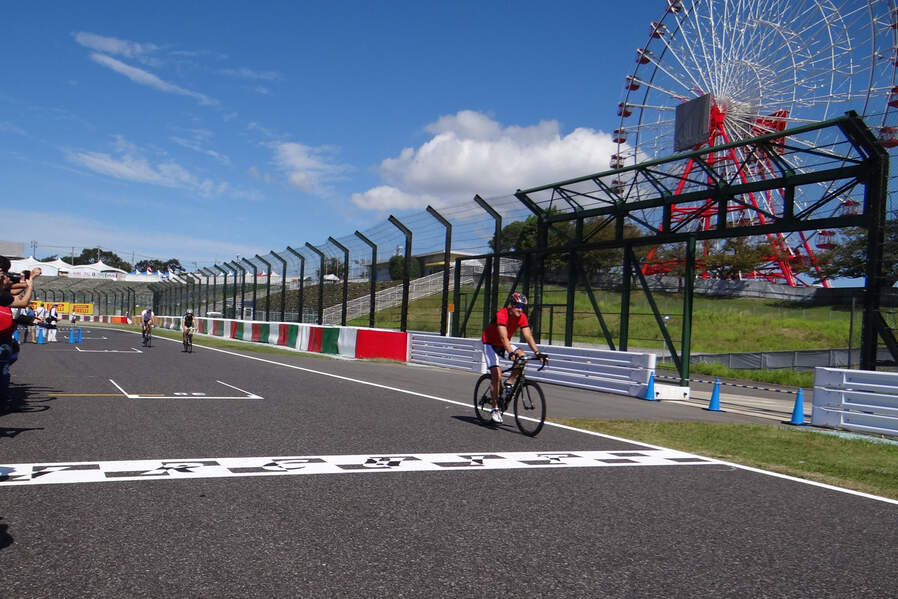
x,y
147,334
526,396
187,337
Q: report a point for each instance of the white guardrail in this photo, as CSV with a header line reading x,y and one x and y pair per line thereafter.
x,y
861,400
626,373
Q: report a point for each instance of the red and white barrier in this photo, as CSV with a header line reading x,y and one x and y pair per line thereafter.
x,y
351,342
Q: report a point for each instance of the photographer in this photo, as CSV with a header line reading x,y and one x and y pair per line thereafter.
x,y
15,292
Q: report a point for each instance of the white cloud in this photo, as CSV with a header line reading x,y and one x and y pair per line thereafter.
x,y
143,77
196,144
471,153
111,45
386,197
255,173
129,163
244,73
7,127
307,168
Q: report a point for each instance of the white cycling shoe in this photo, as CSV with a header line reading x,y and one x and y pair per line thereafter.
x,y
496,415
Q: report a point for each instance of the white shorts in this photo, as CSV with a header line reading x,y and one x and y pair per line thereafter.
x,y
492,354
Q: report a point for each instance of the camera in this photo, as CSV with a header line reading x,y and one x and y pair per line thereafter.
x,y
16,277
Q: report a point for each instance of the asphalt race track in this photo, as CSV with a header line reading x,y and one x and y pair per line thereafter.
x,y
132,472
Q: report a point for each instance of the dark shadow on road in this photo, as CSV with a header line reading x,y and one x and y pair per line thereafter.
x,y
23,398
5,538
505,426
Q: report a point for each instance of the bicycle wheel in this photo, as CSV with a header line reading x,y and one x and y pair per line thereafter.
x,y
190,343
530,409
149,338
186,343
483,402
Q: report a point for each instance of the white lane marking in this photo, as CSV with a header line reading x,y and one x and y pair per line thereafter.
x,y
131,470
562,426
248,394
117,386
193,395
134,350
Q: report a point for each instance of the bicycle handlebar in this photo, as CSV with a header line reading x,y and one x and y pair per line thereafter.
x,y
524,359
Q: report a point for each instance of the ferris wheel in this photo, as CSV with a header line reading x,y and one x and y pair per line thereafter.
x,y
766,66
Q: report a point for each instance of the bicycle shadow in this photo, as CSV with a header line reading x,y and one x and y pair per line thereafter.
x,y
508,427
5,538
24,398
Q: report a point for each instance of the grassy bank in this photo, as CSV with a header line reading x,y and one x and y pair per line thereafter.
x,y
719,325
858,464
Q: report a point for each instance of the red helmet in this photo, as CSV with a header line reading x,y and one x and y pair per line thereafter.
x,y
517,298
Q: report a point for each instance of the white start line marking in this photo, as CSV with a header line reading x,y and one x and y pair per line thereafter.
x,y
131,470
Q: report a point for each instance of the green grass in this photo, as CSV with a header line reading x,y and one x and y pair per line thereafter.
x,y
784,376
858,464
719,325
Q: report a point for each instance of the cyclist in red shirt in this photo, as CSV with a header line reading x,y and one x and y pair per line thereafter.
x,y
497,344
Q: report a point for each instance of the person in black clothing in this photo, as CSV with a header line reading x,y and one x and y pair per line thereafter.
x,y
188,325
15,292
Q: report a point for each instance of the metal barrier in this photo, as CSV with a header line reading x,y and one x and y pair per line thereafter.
x,y
625,373
861,400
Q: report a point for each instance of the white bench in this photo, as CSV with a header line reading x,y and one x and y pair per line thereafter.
x,y
861,400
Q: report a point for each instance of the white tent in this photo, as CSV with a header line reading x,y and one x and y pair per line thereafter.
x,y
60,266
97,270
103,267
28,264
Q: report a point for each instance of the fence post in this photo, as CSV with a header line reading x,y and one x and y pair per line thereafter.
x,y
320,282
372,277
242,270
267,287
345,277
302,282
255,278
491,303
283,285
224,291
403,317
447,256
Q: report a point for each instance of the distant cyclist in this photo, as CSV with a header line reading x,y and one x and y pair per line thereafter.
x,y
188,326
497,344
146,318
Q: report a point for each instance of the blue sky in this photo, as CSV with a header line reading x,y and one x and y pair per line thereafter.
x,y
203,130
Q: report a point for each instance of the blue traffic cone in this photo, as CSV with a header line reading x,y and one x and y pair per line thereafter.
x,y
714,405
798,409
40,335
650,390
78,340
72,335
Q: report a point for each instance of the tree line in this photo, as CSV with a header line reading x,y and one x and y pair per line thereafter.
x,y
97,254
723,259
